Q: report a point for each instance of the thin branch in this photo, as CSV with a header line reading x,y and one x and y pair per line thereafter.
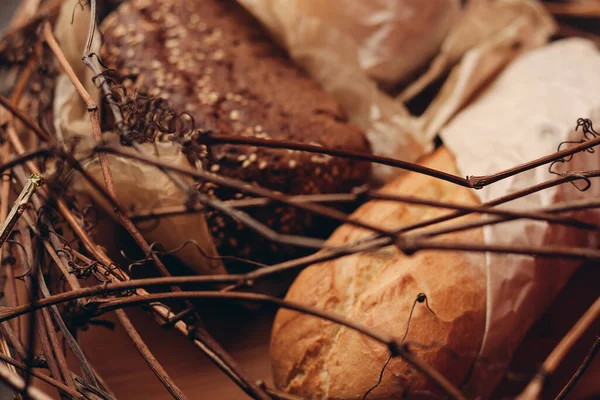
x,y
49,380
213,138
478,182
223,361
69,217
373,243
322,256
5,350
146,353
163,212
47,10
47,335
35,322
580,371
15,97
30,155
121,217
394,236
336,198
25,75
570,177
111,288
12,338
555,208
410,245
102,306
258,191
13,300
566,178
25,253
475,182
17,383
71,342
277,394
19,206
55,344
538,215
4,202
91,30
534,389
92,108
6,103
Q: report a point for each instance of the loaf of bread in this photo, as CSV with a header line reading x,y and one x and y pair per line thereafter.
x,y
211,59
318,359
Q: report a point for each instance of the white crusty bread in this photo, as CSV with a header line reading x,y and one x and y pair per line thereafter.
x,y
318,359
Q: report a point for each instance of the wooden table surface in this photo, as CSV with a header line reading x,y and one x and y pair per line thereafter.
x,y
245,334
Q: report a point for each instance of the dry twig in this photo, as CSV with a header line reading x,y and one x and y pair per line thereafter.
x,y
534,389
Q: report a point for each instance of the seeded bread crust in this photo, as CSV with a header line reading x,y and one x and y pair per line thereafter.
x,y
318,359
213,60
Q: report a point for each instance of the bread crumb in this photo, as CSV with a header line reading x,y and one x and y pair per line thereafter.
x,y
171,43
234,115
119,31
212,98
218,55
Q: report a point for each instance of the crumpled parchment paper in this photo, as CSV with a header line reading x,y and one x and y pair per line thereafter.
x,y
526,112
486,39
393,37
138,186
490,32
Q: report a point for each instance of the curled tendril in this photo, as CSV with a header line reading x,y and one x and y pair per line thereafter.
x,y
588,134
160,252
149,119
421,298
29,267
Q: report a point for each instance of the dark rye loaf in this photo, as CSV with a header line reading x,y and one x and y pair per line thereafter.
x,y
213,60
